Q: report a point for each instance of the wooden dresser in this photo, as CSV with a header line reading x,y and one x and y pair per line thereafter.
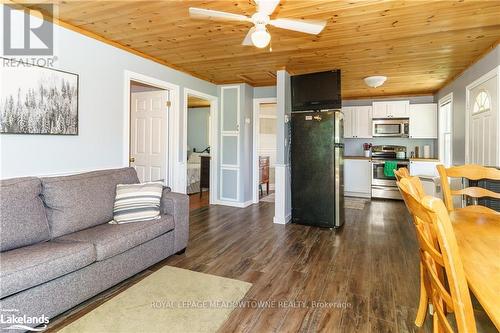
x,y
264,173
204,173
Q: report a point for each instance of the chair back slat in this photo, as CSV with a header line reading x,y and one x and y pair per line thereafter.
x,y
433,223
471,172
427,245
401,173
431,269
476,192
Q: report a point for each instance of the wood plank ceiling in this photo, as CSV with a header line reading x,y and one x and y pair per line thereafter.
x,y
420,45
196,102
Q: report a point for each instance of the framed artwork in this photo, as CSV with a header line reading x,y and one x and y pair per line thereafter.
x,y
38,100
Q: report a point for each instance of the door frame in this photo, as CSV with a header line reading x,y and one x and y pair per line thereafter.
x,y
255,139
214,134
448,98
468,112
172,143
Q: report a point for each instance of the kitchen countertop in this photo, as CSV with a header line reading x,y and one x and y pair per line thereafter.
x,y
421,159
357,158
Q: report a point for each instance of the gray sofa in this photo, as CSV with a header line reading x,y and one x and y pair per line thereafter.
x,y
57,249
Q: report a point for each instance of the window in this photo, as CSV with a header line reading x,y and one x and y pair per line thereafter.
x,y
482,102
445,130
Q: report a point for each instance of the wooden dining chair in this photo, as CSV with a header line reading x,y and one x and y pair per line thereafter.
x,y
471,172
439,251
417,191
401,173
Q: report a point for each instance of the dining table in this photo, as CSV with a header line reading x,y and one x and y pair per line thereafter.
x,y
478,239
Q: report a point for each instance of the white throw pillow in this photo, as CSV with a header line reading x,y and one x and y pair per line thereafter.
x,y
137,202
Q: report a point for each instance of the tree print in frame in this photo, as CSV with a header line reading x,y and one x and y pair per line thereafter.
x,y
38,100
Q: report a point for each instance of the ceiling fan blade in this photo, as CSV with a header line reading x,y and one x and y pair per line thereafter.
x,y
266,6
305,26
248,38
216,15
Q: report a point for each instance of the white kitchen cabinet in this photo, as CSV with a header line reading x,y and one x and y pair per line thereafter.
x,y
423,121
379,109
358,177
423,168
391,109
348,122
363,123
357,122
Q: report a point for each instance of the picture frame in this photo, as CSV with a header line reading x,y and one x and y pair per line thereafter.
x,y
38,100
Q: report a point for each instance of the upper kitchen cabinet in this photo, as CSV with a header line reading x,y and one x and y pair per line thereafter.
x,y
357,122
391,109
423,121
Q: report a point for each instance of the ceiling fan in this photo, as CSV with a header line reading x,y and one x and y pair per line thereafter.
x,y
258,34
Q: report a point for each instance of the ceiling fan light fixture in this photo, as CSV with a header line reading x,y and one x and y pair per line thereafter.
x,y
260,37
375,81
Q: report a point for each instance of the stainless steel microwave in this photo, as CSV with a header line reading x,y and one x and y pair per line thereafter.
x,y
390,127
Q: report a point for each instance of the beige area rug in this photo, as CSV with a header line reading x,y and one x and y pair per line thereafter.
x,y
169,300
355,203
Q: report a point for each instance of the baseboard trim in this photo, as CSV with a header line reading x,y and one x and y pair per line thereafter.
x,y
280,220
234,203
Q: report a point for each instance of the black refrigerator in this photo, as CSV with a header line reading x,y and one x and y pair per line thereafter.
x,y
317,163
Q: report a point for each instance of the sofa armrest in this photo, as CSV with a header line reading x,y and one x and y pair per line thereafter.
x,y
177,205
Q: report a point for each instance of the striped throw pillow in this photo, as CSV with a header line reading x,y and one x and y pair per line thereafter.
x,y
137,202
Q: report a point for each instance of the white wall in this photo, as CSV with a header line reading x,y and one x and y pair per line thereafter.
x,y
457,87
198,128
264,92
283,193
100,141
246,129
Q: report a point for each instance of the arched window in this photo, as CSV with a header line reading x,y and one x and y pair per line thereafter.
x,y
482,102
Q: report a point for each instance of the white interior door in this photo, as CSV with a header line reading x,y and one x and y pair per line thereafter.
x,y
148,134
483,111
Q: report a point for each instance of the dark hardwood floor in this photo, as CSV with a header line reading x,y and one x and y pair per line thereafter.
x,y
195,202
361,278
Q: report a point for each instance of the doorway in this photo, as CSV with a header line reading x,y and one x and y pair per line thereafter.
x,y
483,120
264,150
149,109
159,139
200,148
198,151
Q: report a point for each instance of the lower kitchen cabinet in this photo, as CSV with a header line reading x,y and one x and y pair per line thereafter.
x,y
357,177
424,168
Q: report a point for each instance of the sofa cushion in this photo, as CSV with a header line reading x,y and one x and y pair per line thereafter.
x,y
137,202
112,239
81,201
32,265
22,219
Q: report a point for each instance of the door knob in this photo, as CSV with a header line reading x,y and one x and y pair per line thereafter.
x,y
132,159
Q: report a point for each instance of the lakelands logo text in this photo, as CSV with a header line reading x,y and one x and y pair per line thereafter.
x,y
9,320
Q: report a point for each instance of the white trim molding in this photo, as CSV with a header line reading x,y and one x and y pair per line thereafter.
x,y
173,121
214,134
491,74
256,130
234,203
281,215
448,98
230,133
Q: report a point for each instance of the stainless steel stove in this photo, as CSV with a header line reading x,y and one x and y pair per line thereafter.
x,y
382,185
